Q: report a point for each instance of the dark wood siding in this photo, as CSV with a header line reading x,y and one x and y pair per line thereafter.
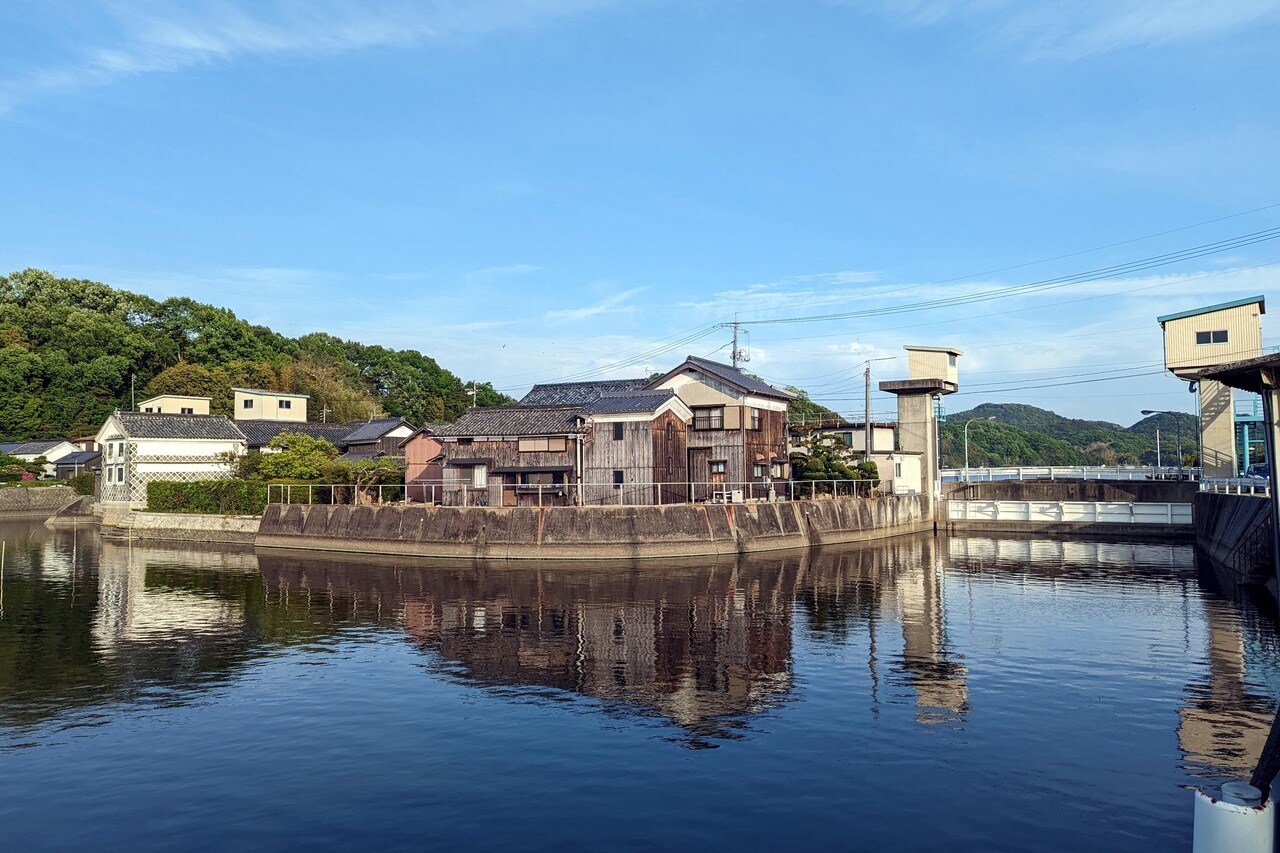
x,y
670,465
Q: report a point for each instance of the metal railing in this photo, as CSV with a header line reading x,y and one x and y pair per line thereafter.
x,y
1069,472
1236,485
1071,512
463,493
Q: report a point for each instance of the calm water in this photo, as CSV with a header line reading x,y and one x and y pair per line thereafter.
x,y
962,694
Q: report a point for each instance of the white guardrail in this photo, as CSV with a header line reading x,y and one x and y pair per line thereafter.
x,y
1236,486
1069,512
1069,472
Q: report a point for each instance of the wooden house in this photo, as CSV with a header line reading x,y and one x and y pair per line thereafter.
x,y
635,448
424,465
512,456
737,440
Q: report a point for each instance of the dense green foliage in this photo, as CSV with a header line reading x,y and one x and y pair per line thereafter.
x,y
828,458
803,410
1026,435
69,347
82,483
216,497
12,468
298,457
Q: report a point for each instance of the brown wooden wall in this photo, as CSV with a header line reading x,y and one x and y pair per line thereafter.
x,y
670,456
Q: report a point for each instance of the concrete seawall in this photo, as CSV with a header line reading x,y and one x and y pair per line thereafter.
x,y
590,533
1234,531
35,502
179,527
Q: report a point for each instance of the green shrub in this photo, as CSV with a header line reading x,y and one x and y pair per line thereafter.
x,y
82,483
213,497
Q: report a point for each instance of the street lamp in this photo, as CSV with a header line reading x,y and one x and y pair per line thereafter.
x,y
966,441
1177,422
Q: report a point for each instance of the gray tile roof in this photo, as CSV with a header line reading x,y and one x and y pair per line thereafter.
x,y
514,420
362,455
635,401
374,429
578,393
735,376
29,448
149,425
260,432
82,457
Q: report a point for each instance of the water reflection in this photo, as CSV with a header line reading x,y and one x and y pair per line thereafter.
x,y
708,647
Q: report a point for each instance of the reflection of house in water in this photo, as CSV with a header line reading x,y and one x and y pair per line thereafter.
x,y
703,647
129,611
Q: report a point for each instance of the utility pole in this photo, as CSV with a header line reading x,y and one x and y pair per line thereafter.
x,y
738,354
1157,450
472,392
133,398
324,414
868,431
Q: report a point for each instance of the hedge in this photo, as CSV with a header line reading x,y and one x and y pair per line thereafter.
x,y
214,497
82,483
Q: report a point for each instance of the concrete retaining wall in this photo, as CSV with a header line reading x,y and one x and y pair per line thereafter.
x,y
1235,532
179,527
590,533
35,502
1075,491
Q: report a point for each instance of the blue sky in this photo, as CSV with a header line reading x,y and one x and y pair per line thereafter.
x,y
530,190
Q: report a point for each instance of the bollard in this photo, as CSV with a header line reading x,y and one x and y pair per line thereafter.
x,y
1237,821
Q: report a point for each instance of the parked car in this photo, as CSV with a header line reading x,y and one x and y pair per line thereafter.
x,y
1260,471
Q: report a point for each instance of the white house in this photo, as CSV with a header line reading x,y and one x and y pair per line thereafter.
x,y
28,451
140,447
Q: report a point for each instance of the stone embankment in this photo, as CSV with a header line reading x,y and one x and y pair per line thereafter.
x,y
590,533
179,527
35,501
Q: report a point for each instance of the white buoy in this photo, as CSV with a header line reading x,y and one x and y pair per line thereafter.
x,y
1235,821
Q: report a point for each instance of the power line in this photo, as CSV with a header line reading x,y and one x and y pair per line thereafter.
x,y
1099,274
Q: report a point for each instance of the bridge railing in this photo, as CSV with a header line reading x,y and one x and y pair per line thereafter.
x,y
1069,472
1236,486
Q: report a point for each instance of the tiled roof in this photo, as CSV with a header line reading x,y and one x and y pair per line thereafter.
x,y
260,432
149,425
514,420
83,457
362,455
737,377
578,393
29,448
374,429
639,401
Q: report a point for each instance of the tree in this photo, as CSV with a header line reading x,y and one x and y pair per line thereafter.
x,y
297,457
824,459
802,409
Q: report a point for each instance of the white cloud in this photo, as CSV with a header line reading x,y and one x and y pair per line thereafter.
x,y
613,304
156,37
1071,29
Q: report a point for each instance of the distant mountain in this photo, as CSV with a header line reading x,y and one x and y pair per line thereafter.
x,y
1027,435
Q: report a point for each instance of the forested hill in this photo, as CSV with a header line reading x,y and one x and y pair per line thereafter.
x,y
1027,435
68,348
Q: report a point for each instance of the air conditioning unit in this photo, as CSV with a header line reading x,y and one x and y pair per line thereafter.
x,y
735,496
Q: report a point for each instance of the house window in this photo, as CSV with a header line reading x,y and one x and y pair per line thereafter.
x,y
897,470
1215,337
710,417
108,475
147,409
617,431
465,440
480,476
248,404
188,411
544,445
757,470
119,473
951,360
717,466
756,419
618,478
111,451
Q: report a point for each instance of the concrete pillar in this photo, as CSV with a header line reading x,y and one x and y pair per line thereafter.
x,y
918,433
1217,430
